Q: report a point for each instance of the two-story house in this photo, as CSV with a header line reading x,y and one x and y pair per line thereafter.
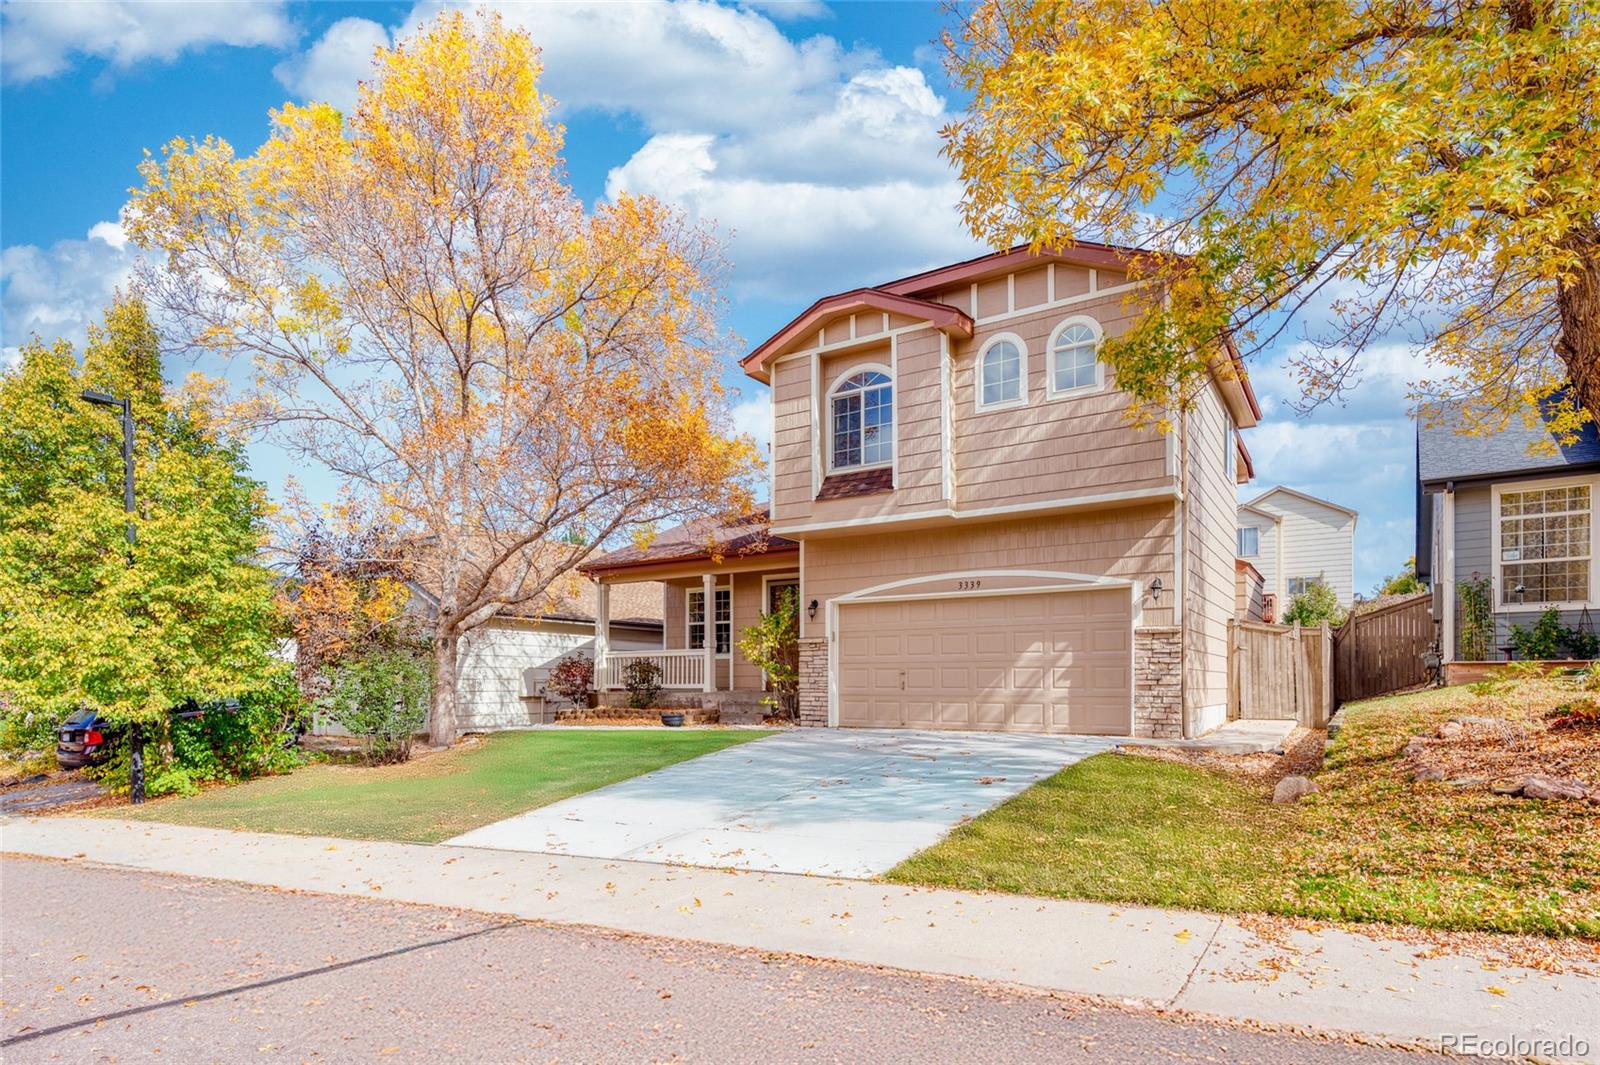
x,y
1293,538
978,536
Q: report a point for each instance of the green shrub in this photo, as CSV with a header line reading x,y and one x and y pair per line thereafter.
x,y
222,743
1581,644
1476,617
1318,603
773,643
642,678
1543,640
381,695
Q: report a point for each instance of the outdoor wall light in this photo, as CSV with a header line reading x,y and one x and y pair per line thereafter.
x,y
811,610
1155,590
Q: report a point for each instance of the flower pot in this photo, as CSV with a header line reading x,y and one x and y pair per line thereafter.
x,y
672,720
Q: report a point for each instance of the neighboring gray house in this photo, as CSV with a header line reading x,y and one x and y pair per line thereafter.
x,y
1293,538
1513,507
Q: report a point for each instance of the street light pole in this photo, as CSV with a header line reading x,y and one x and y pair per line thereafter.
x,y
135,732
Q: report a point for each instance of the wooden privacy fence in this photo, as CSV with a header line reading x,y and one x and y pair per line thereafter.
x,y
1380,651
1280,672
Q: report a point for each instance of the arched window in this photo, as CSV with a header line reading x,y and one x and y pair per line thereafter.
x,y
1074,359
863,420
1002,373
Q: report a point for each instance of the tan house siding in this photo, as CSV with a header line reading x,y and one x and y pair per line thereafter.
x,y
1048,448
1317,540
1249,602
793,473
1133,543
1210,576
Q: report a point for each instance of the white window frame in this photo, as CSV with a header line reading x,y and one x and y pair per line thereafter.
x,y
1051,391
1531,607
1238,541
894,417
1231,443
1305,584
1022,373
688,613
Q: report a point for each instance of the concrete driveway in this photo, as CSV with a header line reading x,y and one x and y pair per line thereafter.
x,y
835,802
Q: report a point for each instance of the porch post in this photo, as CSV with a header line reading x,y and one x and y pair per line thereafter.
x,y
602,632
708,582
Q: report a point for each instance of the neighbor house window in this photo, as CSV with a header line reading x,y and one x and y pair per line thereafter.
x,y
1000,374
1545,545
863,420
1249,541
723,620
1298,585
1074,357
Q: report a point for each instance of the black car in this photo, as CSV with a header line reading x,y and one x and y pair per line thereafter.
x,y
85,738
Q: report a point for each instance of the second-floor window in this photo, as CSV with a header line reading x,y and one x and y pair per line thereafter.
x,y
863,421
1249,541
1000,374
1075,358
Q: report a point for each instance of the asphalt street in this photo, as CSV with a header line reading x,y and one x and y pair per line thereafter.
x,y
106,965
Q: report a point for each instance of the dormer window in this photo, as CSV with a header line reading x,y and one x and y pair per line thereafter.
x,y
1075,359
863,421
1001,374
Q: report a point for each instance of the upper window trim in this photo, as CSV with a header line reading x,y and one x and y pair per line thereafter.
x,y
1022,382
1050,390
1497,583
833,390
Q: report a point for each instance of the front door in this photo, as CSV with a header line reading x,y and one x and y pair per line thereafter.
x,y
776,592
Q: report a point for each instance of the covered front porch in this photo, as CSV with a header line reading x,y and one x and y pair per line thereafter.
x,y
716,582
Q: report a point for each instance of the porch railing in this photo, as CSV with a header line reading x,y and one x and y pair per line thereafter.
x,y
679,669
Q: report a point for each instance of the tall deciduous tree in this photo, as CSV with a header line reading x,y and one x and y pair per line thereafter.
x,y
1426,164
432,314
85,620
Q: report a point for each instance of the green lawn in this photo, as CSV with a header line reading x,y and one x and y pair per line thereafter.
x,y
1373,845
444,794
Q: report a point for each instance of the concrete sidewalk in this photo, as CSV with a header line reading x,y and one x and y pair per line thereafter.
x,y
1331,980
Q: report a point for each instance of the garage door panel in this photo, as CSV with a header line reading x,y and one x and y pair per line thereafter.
x,y
1055,662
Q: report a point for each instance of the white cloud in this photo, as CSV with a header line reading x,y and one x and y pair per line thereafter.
x,y
57,291
330,70
800,238
819,162
41,39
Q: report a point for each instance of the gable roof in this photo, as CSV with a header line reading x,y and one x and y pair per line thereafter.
x,y
1300,495
576,600
942,316
905,296
699,540
1443,454
1269,515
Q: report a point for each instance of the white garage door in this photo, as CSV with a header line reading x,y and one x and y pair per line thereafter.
x,y
1045,662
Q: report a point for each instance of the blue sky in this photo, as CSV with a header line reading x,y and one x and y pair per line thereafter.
x,y
807,131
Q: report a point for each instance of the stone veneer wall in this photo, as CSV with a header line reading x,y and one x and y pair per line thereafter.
x,y
1158,683
814,682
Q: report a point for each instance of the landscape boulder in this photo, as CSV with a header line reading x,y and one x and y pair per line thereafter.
x,y
1428,772
1293,789
1543,787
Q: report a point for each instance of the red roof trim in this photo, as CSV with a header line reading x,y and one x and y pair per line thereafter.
x,y
942,316
773,551
1244,453
1087,253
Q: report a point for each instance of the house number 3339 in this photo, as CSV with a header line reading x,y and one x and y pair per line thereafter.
x,y
967,586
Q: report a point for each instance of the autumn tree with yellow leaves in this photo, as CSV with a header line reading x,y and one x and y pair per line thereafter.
x,y
1427,166
432,314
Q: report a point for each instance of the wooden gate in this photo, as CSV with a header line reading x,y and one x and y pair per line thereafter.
x,y
1380,651
1280,672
